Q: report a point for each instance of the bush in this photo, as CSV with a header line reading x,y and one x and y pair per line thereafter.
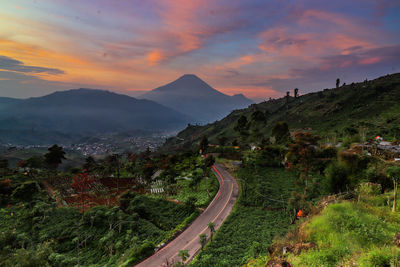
x,y
380,257
26,191
368,189
337,177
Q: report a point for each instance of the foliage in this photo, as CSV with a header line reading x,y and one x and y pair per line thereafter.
x,y
337,176
351,232
54,157
302,154
281,132
256,219
203,144
35,228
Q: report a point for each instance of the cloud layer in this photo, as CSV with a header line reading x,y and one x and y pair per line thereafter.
x,y
259,48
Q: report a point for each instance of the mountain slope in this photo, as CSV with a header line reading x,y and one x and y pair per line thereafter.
x,y
367,108
86,111
191,95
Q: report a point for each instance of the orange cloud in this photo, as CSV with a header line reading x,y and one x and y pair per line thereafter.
x,y
155,57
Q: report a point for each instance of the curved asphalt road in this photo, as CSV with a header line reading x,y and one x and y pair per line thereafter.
x,y
216,212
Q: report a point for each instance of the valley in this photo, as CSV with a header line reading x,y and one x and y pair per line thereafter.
x,y
260,187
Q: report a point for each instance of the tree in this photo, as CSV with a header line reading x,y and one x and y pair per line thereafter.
x,y
184,255
337,82
203,144
203,240
302,154
148,171
242,126
4,166
393,172
281,132
113,163
211,226
258,116
208,163
90,164
54,157
191,203
222,140
296,92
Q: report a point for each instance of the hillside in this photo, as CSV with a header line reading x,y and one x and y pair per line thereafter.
x,y
191,95
66,114
365,108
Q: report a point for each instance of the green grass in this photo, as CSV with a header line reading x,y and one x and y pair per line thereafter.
x,y
350,232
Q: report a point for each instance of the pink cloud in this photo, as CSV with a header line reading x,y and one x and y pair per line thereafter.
x,y
371,60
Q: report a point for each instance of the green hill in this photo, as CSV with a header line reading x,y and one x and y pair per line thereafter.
x,y
365,109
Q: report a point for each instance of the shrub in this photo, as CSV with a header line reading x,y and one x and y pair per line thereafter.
x,y
337,177
368,189
26,191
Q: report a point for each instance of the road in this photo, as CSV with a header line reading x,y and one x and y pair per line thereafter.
x,y
218,210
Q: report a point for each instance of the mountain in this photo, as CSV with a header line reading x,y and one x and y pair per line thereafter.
x,y
5,101
82,112
357,110
191,95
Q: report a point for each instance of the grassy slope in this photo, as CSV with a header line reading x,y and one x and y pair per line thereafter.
x,y
250,229
352,233
372,106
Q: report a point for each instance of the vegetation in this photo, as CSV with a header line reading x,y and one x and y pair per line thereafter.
x,y
351,233
256,219
70,227
348,114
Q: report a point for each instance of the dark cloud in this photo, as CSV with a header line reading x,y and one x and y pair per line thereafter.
x,y
10,64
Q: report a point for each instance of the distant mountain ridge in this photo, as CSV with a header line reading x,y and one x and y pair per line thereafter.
x,y
192,96
368,108
82,112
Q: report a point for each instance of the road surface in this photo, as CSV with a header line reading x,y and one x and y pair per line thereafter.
x,y
218,210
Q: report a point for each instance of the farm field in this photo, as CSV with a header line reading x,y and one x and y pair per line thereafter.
x,y
257,218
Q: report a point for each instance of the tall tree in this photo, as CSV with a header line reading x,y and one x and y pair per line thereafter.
x,y
211,226
296,92
184,255
113,163
202,240
208,163
242,126
54,157
302,154
393,172
203,144
337,82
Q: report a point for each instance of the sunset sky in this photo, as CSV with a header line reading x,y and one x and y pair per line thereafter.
x,y
258,48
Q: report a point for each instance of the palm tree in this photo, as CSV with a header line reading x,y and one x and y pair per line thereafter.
x,y
54,157
211,226
184,255
203,240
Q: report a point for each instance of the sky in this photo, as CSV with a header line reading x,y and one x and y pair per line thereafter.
x,y
259,48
